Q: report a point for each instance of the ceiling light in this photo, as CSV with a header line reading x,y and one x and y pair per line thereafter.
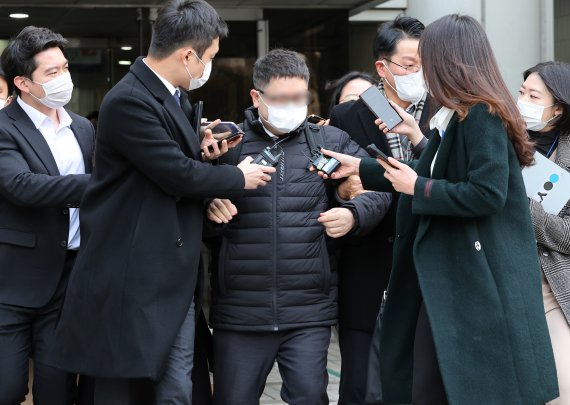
x,y
126,48
19,15
125,62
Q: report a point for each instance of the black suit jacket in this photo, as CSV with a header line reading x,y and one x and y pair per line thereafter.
x,y
141,224
34,207
365,262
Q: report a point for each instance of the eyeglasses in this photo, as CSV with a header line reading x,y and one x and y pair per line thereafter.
x,y
407,68
303,98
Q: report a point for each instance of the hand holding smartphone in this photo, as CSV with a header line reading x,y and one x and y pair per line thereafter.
x,y
224,131
377,153
380,107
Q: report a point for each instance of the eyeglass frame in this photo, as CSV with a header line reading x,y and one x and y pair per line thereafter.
x,y
405,67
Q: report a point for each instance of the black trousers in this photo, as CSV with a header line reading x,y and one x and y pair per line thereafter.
x,y
28,333
427,385
115,391
243,360
354,350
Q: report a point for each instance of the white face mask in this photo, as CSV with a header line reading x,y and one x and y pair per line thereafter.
x,y
197,83
2,103
410,87
58,91
286,118
532,115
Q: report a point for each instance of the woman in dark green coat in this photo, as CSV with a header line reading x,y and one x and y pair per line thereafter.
x,y
464,321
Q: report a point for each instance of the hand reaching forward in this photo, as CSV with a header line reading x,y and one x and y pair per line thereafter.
x,y
255,175
349,165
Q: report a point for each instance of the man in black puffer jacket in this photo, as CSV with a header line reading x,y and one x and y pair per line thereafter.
x,y
274,287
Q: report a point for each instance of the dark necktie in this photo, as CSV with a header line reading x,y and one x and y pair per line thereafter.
x,y
176,96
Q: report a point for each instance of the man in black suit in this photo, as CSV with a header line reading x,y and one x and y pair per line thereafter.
x,y
365,263
129,314
45,153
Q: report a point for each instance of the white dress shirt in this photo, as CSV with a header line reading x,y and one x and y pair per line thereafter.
x,y
66,153
440,121
171,88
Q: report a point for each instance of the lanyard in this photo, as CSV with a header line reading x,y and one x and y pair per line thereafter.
x,y
552,146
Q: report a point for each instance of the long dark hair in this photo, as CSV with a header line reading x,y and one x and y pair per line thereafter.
x,y
338,85
556,78
461,70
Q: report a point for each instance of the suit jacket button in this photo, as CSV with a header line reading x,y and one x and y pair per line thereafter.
x,y
179,242
65,211
63,243
390,239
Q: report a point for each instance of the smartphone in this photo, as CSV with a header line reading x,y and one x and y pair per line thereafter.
x,y
197,108
224,131
228,138
315,119
377,153
380,107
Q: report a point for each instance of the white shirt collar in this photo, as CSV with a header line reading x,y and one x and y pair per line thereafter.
x,y
441,119
38,117
172,89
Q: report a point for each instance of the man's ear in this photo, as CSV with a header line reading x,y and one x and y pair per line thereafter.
x,y
380,68
21,84
254,97
184,54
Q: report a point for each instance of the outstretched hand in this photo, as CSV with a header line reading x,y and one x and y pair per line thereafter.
x,y
349,165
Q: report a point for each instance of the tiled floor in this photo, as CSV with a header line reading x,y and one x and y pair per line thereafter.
x,y
271,394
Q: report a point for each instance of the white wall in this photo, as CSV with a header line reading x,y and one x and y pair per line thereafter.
x,y
520,31
562,27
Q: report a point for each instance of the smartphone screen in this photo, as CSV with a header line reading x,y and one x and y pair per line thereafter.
x,y
224,129
379,105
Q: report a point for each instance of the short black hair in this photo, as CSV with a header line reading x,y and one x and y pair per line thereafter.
x,y
18,59
338,85
392,32
182,23
279,63
556,78
9,83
